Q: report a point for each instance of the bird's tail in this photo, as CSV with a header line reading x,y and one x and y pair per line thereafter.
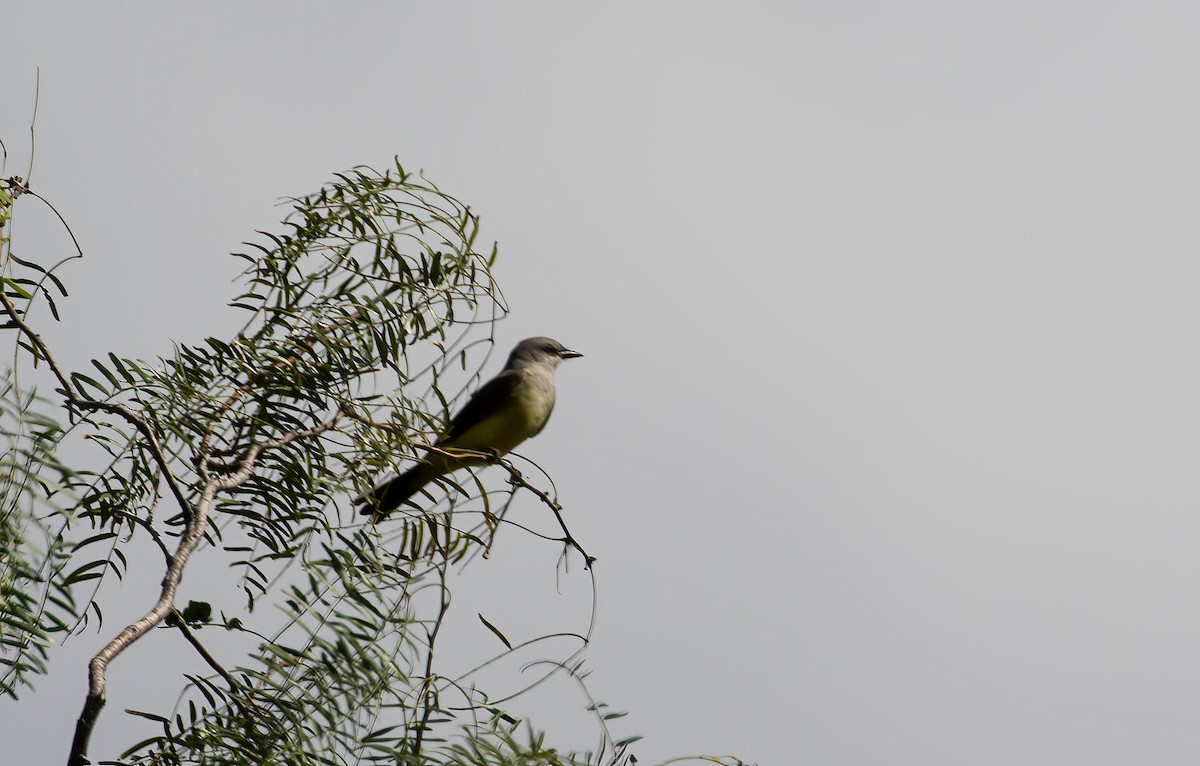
x,y
391,494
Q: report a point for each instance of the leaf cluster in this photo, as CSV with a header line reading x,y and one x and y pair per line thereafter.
x,y
250,446
37,601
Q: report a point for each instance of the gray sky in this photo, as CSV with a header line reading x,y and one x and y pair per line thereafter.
x,y
887,435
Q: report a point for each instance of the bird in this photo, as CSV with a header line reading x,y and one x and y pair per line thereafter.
x,y
508,409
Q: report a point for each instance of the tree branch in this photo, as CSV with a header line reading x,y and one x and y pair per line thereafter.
x,y
517,480
309,342
196,524
73,398
246,465
98,667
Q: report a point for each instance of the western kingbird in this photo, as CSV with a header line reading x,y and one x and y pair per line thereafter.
x,y
504,412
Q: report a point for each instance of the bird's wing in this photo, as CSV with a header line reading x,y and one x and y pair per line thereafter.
x,y
483,403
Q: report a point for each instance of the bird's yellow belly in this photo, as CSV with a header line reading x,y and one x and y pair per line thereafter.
x,y
523,416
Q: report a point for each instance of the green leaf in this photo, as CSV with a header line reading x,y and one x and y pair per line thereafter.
x,y
495,630
17,290
197,612
79,379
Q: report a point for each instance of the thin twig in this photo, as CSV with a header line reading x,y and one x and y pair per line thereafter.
x,y
308,342
429,692
175,619
567,539
54,210
517,480
75,399
246,465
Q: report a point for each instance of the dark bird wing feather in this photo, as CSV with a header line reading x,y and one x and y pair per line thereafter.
x,y
483,402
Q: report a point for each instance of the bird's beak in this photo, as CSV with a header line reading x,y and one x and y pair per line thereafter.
x,y
567,353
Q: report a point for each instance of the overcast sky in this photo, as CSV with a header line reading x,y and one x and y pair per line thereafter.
x,y
887,434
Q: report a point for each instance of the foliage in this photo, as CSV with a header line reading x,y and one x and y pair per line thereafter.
x,y
250,446
36,594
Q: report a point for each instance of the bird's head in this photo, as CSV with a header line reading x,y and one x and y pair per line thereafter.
x,y
540,351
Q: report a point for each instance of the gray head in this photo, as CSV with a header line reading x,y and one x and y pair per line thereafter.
x,y
539,351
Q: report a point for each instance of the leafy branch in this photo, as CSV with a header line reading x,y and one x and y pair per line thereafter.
x,y
358,317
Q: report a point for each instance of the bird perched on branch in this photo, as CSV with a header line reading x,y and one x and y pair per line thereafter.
x,y
504,412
